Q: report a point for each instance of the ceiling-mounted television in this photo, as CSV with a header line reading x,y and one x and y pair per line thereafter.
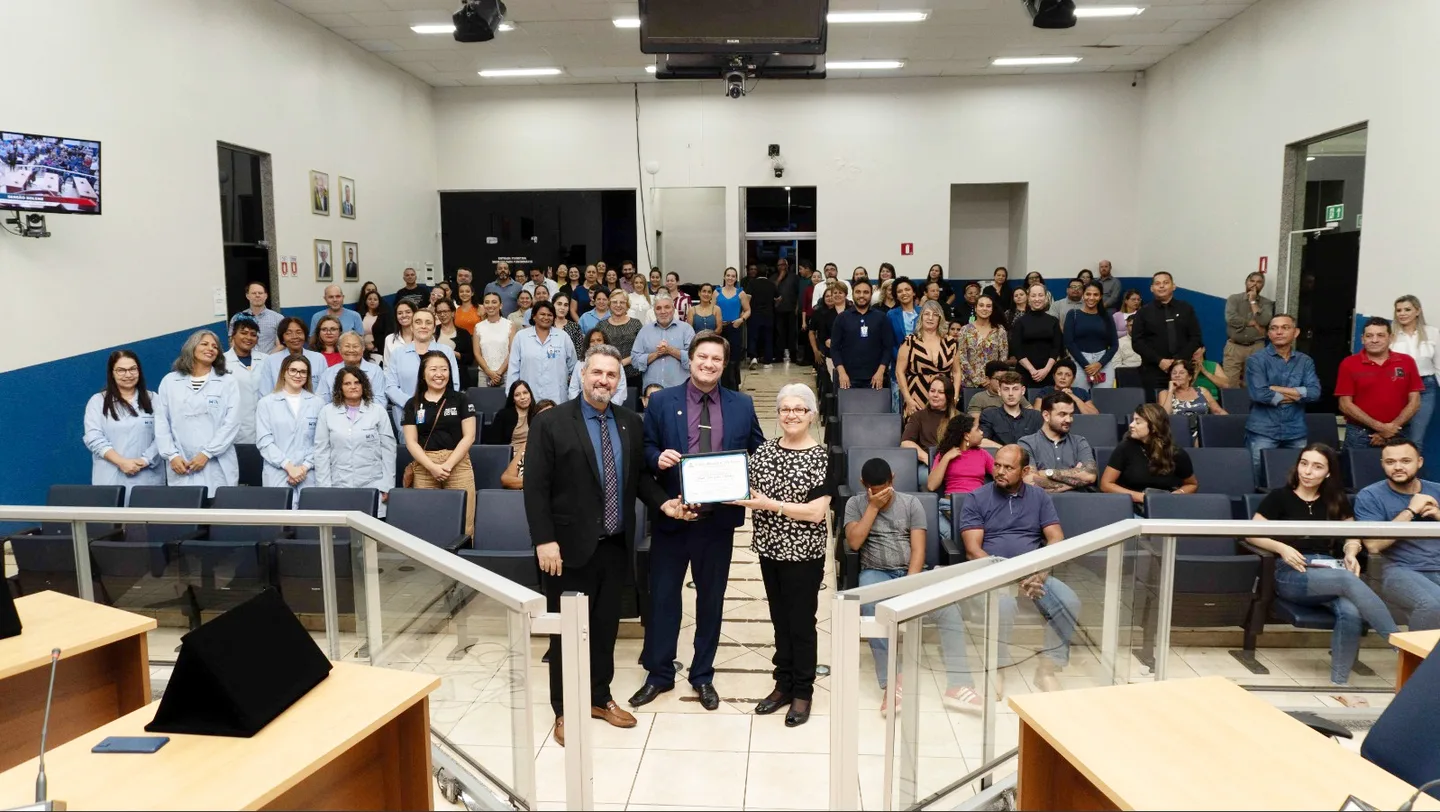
x,y
49,174
733,26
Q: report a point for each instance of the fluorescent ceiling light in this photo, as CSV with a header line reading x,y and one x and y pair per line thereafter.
x,y
626,22
649,68
866,64
1310,158
449,28
1108,11
877,16
511,72
1010,61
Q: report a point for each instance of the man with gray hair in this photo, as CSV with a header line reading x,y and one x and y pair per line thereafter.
x,y
661,350
350,321
584,469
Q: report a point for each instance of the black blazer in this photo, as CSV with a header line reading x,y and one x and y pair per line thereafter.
x,y
564,498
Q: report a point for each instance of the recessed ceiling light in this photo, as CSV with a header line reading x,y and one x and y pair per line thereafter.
x,y
449,28
511,72
626,22
1005,61
649,68
877,16
1108,11
865,64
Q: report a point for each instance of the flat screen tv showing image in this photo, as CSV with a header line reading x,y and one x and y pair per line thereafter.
x,y
49,174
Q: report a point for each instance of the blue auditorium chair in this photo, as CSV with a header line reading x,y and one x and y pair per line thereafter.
x,y
297,560
45,555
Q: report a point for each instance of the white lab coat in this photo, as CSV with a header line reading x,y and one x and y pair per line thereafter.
x,y
132,436
270,370
325,383
249,380
355,454
282,436
204,422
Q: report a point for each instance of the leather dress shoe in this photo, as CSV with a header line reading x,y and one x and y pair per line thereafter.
x,y
613,714
775,701
799,713
709,699
647,694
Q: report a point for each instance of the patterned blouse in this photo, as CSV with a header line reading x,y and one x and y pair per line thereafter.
x,y
976,352
923,368
789,476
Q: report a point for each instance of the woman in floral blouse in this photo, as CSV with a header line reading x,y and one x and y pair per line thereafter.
x,y
982,341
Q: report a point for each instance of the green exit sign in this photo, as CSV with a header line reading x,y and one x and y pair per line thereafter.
x,y
1334,214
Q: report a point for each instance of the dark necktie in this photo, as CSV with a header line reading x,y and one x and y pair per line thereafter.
x,y
608,476
705,423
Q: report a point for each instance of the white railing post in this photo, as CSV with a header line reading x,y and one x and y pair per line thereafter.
x,y
1110,619
1167,606
844,702
80,540
911,634
370,562
992,680
575,665
327,591
522,710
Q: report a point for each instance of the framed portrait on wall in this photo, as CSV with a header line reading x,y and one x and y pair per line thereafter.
x,y
351,253
324,271
320,193
347,197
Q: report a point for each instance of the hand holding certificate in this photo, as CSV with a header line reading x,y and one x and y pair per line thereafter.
x,y
717,477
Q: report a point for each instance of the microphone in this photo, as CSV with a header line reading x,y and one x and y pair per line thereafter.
x,y
41,789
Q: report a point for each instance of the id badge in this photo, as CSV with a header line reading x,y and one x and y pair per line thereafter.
x,y
864,331
552,353
420,415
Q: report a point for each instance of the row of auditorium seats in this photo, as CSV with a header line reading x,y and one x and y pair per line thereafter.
x,y
488,462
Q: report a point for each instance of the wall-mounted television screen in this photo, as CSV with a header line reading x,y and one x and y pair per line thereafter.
x,y
49,174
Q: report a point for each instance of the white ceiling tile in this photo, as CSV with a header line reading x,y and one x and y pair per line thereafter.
x,y
1172,38
335,6
1196,25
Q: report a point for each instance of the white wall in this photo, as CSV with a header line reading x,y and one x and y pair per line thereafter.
x,y
159,82
693,223
1218,114
882,152
980,227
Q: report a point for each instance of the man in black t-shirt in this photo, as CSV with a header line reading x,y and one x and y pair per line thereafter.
x,y
761,325
1005,425
787,316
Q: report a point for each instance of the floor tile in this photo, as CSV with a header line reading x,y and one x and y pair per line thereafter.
x,y
768,734
690,777
693,731
613,774
787,781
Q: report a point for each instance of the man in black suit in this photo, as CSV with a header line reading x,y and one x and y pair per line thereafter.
x,y
584,468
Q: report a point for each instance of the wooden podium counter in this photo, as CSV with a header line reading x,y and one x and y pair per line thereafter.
x,y
1414,647
104,671
359,740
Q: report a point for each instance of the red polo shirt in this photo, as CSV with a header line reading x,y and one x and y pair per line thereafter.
x,y
1380,390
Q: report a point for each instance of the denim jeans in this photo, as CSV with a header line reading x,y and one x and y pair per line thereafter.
x,y
1420,423
952,636
1348,597
1417,593
1357,436
1257,443
947,526
1060,607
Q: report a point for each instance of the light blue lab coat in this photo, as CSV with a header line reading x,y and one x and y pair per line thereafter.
x,y
325,384
269,373
355,454
204,422
544,366
132,436
249,380
282,436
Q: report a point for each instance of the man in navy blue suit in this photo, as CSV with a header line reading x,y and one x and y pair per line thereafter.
x,y
694,417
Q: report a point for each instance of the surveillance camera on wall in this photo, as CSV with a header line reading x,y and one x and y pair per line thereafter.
x,y
734,83
29,225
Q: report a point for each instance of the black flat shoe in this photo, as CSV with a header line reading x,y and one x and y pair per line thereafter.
x,y
799,713
775,701
709,700
647,694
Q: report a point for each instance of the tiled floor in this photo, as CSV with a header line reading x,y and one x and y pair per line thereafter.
x,y
682,757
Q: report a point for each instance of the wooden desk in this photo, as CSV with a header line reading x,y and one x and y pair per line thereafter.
x,y
359,740
1202,743
1414,647
104,671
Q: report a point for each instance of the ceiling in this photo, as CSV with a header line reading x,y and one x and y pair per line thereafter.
x,y
959,38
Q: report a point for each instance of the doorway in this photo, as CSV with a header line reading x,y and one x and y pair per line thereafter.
x,y
1322,250
778,222
245,213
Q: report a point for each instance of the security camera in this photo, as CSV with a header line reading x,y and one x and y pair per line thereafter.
x,y
779,171
31,225
777,163
734,84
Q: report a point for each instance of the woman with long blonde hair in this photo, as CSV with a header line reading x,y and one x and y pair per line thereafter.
x,y
1411,335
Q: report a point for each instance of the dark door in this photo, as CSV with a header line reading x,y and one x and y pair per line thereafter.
x,y
242,225
1329,274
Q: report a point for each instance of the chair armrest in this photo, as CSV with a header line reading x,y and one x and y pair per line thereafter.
x,y
1320,725
27,531
951,552
456,543
852,568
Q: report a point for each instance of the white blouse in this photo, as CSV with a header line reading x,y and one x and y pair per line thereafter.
x,y
1422,351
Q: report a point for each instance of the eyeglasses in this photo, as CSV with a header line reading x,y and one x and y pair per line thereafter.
x,y
302,373
797,411
127,370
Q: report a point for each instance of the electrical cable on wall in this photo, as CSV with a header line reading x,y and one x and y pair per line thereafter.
x,y
640,180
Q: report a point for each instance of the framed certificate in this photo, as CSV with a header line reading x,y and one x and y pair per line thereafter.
x,y
719,476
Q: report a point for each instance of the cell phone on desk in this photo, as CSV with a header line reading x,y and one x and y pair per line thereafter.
x,y
131,744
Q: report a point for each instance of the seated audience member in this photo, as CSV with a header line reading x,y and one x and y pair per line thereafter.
x,y
1007,423
326,340
925,428
354,440
991,394
1412,566
292,340
645,396
1322,571
1379,390
1008,518
1185,396
285,423
961,465
1065,382
1125,355
1148,459
120,424
513,478
352,355
439,427
888,529
1061,461
595,338
244,361
511,425
1209,375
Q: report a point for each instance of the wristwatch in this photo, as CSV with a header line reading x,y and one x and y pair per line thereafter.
x,y
1049,473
